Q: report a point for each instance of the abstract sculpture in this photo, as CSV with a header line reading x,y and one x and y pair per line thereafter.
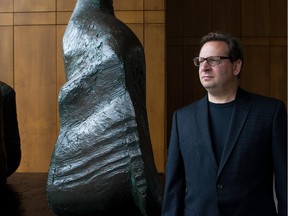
x,y
3,176
102,162
10,147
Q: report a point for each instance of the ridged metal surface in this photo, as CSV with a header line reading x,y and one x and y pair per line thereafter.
x,y
103,157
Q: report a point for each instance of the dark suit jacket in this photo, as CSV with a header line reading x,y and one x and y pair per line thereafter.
x,y
242,184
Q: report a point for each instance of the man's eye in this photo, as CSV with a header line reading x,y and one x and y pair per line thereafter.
x,y
213,60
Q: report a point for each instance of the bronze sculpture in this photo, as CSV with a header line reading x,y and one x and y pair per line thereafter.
x,y
10,151
103,161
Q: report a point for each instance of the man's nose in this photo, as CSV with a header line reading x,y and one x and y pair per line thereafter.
x,y
204,65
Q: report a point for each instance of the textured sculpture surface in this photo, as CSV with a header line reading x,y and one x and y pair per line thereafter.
x,y
102,161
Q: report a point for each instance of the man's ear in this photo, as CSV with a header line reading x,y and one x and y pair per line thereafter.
x,y
237,67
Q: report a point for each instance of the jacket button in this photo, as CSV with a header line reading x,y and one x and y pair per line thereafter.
x,y
219,187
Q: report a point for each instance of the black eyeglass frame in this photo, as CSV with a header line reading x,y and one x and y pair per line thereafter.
x,y
216,59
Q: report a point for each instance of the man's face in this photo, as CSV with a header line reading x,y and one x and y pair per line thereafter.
x,y
220,76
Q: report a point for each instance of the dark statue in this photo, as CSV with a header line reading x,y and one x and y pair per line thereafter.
x,y
103,162
10,146
3,177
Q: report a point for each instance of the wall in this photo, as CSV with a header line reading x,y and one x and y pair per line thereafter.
x,y
31,62
260,24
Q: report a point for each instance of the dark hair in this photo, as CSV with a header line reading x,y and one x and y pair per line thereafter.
x,y
235,47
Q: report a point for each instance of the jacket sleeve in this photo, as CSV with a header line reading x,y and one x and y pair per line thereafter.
x,y
174,190
279,149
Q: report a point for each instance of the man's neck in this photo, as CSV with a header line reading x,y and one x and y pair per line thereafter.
x,y
222,97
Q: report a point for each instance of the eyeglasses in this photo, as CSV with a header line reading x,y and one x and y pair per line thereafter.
x,y
211,60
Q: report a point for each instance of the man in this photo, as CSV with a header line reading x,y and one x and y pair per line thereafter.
x,y
226,148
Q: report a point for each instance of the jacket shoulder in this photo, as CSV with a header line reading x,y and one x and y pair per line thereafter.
x,y
192,107
260,103
258,99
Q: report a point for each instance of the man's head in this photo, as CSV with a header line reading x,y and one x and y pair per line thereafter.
x,y
235,51
220,63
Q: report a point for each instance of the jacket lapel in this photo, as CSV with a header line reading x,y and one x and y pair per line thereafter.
x,y
239,116
202,118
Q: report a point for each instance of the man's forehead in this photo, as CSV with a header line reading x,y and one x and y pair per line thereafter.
x,y
214,47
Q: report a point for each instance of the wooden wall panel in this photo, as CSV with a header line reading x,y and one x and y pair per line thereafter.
x,y
35,18
154,5
6,19
35,85
175,96
278,13
134,5
155,17
224,20
63,17
64,5
31,33
61,75
6,6
138,30
255,75
175,20
6,55
192,87
34,5
255,18
6,42
278,67
130,16
195,23
155,89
